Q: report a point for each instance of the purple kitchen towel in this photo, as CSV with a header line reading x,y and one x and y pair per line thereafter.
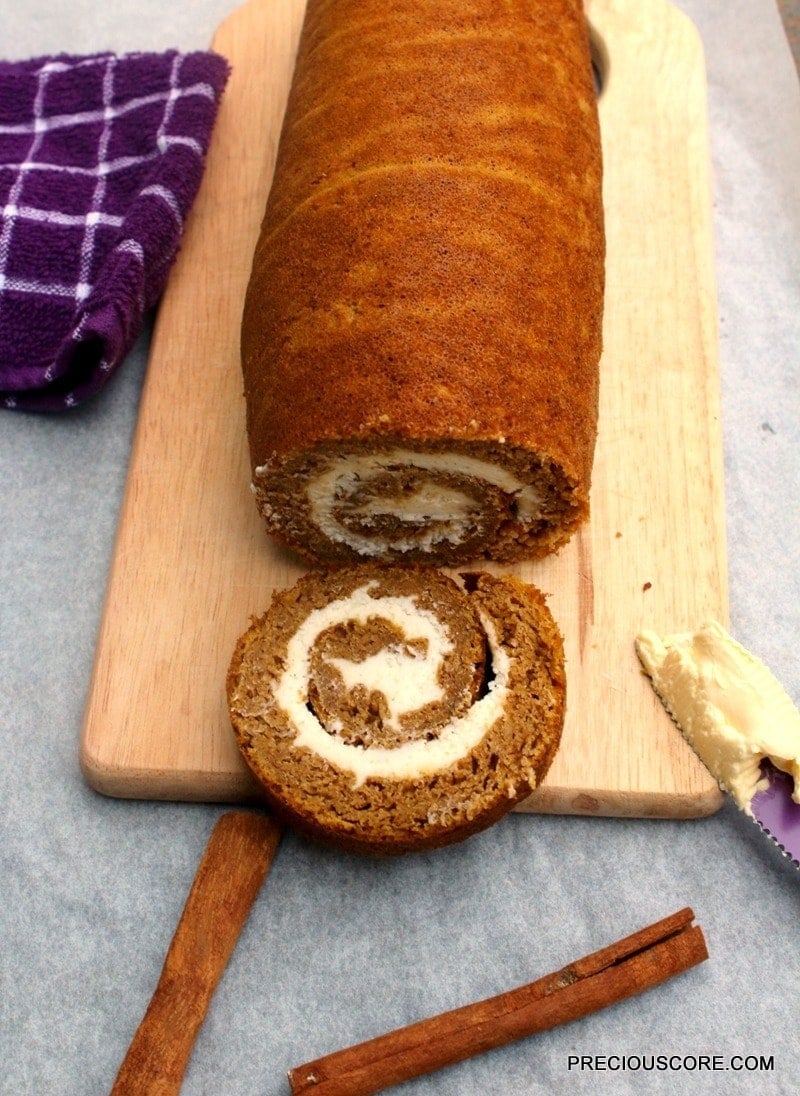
x,y
100,160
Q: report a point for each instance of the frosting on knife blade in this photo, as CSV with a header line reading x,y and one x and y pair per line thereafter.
x,y
731,709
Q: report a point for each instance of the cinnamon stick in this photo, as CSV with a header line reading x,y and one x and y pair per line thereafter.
x,y
233,867
631,965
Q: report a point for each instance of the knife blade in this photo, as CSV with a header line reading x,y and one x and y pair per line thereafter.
x,y
776,812
737,718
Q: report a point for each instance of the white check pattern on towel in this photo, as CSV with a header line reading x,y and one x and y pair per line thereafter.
x,y
100,161
12,212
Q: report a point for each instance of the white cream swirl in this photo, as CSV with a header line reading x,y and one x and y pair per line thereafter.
x,y
431,511
408,682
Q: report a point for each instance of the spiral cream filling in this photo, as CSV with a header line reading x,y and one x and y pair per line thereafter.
x,y
407,680
433,512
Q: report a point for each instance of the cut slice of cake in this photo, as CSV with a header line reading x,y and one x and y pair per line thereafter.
x,y
386,710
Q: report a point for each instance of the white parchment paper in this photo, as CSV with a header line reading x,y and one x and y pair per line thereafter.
x,y
339,949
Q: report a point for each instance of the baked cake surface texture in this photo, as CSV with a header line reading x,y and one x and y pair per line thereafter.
x,y
386,710
422,326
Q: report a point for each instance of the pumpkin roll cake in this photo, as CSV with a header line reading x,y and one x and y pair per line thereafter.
x,y
422,325
391,709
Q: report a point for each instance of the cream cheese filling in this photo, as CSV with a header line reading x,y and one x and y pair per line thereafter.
x,y
408,680
389,673
450,509
729,706
428,501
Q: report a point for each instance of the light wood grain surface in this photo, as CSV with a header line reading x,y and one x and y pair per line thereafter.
x,y
192,561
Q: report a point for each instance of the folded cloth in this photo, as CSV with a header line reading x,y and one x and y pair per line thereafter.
x,y
100,160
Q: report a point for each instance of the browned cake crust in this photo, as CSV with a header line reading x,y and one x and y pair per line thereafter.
x,y
386,710
429,279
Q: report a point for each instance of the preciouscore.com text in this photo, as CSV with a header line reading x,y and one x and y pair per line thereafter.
x,y
688,1063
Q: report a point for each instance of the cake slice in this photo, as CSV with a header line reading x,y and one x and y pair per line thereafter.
x,y
386,710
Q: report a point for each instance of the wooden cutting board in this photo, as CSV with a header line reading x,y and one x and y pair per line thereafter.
x,y
192,561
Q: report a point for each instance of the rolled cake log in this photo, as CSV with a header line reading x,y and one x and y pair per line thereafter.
x,y
422,326
385,710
